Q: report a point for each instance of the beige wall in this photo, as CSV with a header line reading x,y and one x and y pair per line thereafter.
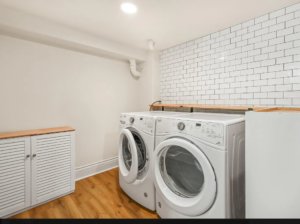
x,y
43,86
148,86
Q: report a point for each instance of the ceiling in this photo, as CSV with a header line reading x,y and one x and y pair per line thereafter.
x,y
167,22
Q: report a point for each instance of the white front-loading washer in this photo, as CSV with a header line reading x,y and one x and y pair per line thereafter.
x,y
136,147
199,166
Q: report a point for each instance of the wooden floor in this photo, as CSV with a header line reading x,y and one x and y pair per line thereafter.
x,y
99,196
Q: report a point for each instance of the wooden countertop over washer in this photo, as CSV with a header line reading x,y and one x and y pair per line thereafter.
x,y
34,132
208,107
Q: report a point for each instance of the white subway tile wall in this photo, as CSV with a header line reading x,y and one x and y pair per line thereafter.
x,y
255,63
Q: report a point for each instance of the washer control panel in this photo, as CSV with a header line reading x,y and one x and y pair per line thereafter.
x,y
141,122
211,132
181,126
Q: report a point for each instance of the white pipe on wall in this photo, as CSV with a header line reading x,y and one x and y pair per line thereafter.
x,y
133,68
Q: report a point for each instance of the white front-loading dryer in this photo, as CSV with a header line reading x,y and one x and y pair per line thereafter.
x,y
199,166
136,147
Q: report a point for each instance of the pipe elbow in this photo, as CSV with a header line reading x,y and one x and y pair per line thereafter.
x,y
133,69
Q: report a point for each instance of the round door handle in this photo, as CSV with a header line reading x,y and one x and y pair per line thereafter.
x,y
34,155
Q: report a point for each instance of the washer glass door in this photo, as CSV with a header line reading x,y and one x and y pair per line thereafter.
x,y
141,151
184,177
132,155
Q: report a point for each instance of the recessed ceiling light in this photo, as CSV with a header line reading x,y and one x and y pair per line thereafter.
x,y
129,8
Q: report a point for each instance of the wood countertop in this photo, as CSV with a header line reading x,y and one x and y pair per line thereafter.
x,y
34,132
255,109
280,110
208,107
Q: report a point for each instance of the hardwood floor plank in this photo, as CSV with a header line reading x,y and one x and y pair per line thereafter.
x,y
113,198
98,196
71,208
23,215
96,209
126,201
101,198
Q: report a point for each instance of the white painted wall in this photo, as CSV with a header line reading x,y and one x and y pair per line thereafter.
x,y
54,75
148,86
43,86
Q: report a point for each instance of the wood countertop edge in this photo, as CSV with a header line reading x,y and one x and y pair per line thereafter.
x,y
16,134
255,109
280,110
208,107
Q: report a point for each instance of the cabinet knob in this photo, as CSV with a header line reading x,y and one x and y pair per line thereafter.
x,y
34,155
27,156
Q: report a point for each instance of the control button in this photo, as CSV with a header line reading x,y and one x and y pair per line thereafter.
x,y
180,126
131,120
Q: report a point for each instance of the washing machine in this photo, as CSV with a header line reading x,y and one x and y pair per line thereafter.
x,y
136,147
199,166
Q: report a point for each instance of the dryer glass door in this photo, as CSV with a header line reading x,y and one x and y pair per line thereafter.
x,y
181,172
184,177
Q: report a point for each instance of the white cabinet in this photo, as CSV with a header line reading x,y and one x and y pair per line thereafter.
x,y
272,163
35,169
14,175
52,165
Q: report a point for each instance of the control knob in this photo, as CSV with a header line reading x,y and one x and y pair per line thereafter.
x,y
181,126
131,120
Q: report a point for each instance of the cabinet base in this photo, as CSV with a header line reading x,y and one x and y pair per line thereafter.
x,y
30,207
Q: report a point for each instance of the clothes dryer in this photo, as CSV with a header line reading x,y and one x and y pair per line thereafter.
x,y
199,166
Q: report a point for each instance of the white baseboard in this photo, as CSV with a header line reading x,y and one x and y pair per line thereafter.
x,y
95,168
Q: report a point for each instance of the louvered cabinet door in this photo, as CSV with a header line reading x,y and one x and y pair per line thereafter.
x,y
14,175
53,166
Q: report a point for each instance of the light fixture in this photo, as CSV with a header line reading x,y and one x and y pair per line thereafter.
x,y
129,8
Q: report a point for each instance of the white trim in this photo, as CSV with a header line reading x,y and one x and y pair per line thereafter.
x,y
95,168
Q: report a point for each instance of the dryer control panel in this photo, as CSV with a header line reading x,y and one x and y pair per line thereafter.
x,y
211,132
141,122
